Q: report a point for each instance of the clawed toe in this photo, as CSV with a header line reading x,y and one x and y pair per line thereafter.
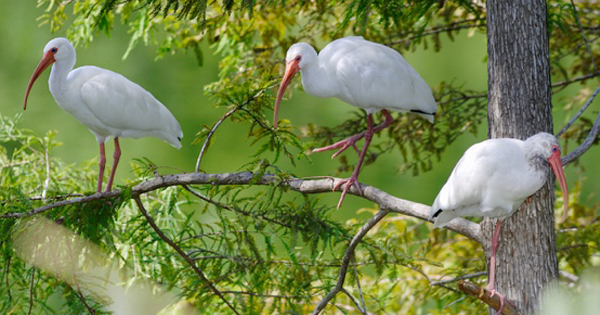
x,y
341,145
502,300
349,182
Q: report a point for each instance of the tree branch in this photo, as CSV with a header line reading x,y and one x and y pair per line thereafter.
x,y
579,113
386,201
566,82
483,295
7,270
31,290
586,144
347,257
277,296
463,277
181,253
353,299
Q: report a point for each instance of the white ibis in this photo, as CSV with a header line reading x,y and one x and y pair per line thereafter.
x,y
493,178
104,101
363,74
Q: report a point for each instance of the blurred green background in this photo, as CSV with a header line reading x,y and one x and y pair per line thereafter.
x,y
178,82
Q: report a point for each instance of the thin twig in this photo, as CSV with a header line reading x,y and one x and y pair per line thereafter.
x,y
14,164
181,253
79,293
587,45
463,277
31,290
437,30
210,134
220,121
353,299
279,296
589,101
577,79
7,279
347,257
585,145
441,285
579,113
232,209
360,294
569,276
47,180
56,197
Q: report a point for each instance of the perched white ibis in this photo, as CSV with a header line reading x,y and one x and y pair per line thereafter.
x,y
104,101
493,178
363,74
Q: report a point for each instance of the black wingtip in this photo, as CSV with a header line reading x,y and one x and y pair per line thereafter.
x,y
418,111
179,138
436,214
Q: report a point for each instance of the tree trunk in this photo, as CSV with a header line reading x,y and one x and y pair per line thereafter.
x,y
519,105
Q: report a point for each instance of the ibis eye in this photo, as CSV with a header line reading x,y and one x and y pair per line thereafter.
x,y
54,50
554,149
298,58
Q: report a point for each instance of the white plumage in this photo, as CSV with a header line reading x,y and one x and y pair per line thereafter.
x,y
363,74
493,178
104,101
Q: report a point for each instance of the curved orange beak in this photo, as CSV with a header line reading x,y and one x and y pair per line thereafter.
x,y
46,61
291,68
556,165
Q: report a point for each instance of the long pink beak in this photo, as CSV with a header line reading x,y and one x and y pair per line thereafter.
x,y
291,68
556,165
46,61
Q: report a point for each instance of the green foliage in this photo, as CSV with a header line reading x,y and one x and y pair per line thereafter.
x,y
267,249
273,252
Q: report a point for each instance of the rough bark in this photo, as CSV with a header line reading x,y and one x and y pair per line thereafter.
x,y
519,106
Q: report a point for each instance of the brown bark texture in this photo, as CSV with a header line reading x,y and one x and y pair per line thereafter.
x,y
519,97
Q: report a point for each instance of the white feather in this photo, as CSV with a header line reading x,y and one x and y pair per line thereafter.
x,y
493,178
364,74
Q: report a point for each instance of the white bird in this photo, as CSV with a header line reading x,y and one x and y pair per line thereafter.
x,y
104,101
363,74
493,178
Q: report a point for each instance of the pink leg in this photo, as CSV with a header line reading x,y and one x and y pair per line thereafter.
x,y
102,164
346,143
116,157
353,180
492,280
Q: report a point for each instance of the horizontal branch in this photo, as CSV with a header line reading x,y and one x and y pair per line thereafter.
x,y
463,277
307,186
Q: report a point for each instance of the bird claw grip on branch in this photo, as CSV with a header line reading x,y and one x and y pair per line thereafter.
x,y
353,180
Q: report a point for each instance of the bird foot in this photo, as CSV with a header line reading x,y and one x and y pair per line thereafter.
x,y
502,299
342,145
353,180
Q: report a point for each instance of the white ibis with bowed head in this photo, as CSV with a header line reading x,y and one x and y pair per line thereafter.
x,y
363,74
493,178
104,101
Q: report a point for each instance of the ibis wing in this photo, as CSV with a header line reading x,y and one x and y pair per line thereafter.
x,y
128,109
491,179
369,69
